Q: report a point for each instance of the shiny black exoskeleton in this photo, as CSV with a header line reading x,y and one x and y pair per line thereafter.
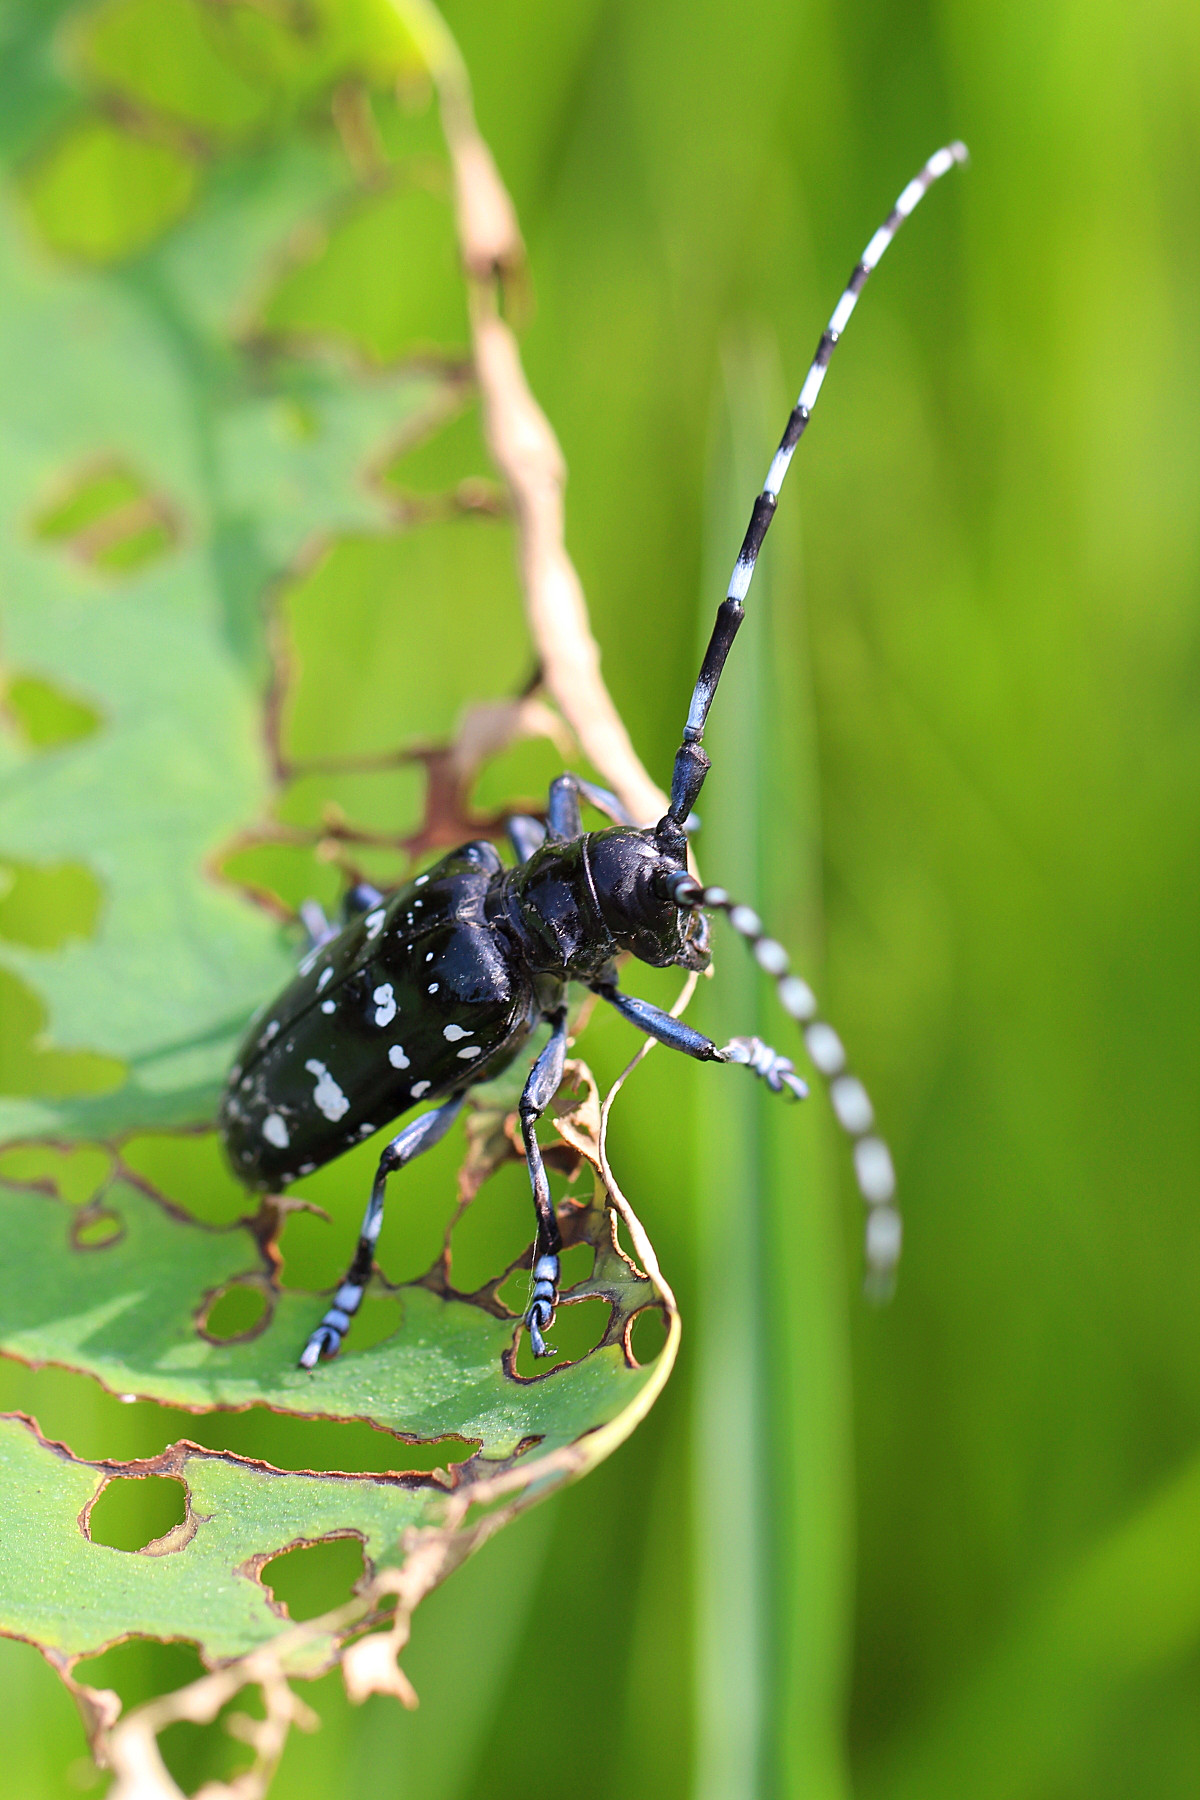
x,y
437,987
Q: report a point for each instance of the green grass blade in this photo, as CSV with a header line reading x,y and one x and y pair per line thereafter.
x,y
772,1552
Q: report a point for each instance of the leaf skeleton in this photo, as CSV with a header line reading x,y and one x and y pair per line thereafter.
x,y
435,987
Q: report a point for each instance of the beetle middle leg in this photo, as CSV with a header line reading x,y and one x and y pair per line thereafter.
x,y
540,1089
421,1135
564,820
318,930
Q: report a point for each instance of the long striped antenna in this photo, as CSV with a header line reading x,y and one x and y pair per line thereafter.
x,y
851,1103
691,763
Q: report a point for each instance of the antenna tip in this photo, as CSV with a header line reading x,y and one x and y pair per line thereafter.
x,y
959,151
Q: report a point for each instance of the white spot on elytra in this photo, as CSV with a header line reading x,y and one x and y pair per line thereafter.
x,y
397,1057
275,1131
328,1095
270,1032
385,1004
429,956
328,1006
432,988
373,921
307,1168
324,978
469,1050
420,881
419,1088
365,1129
452,1033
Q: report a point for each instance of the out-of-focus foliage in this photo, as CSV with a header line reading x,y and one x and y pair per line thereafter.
x,y
998,504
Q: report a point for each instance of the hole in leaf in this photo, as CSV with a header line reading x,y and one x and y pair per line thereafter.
x,y
525,769
192,1173
282,875
190,61
42,905
101,193
75,1174
133,1511
28,1065
575,1265
197,1755
389,801
350,646
238,1312
315,1577
493,1231
141,1668
74,1409
446,456
96,1227
386,276
646,1334
45,716
576,1331
110,517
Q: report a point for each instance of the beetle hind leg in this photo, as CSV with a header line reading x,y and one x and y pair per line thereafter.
x,y
422,1134
539,1091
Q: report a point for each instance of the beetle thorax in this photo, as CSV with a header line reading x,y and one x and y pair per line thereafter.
x,y
577,905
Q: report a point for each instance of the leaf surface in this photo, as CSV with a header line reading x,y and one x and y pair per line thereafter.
x,y
212,351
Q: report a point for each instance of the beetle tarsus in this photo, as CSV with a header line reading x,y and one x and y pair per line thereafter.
x,y
779,1072
540,1313
324,1344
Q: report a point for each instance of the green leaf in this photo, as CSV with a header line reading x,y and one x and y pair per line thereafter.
x,y
211,700
123,1286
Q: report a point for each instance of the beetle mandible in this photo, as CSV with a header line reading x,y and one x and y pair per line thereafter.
x,y
436,987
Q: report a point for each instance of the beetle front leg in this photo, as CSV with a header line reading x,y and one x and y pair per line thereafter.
x,y
540,1089
777,1071
422,1134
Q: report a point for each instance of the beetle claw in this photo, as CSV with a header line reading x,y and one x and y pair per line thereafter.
x,y
324,1343
537,1319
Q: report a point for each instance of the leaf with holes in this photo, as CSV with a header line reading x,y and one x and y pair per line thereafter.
x,y
238,453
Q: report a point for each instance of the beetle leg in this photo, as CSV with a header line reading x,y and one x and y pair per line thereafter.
x,y
526,834
540,1089
564,821
564,818
317,928
421,1135
777,1071
359,899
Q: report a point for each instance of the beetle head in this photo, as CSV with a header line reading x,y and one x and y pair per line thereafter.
x,y
631,878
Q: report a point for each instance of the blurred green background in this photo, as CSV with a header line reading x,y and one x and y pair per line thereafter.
x,y
950,1547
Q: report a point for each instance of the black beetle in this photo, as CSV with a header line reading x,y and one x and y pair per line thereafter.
x,y
438,986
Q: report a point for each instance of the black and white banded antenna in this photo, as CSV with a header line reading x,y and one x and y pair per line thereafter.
x,y
851,1103
873,1170
691,763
